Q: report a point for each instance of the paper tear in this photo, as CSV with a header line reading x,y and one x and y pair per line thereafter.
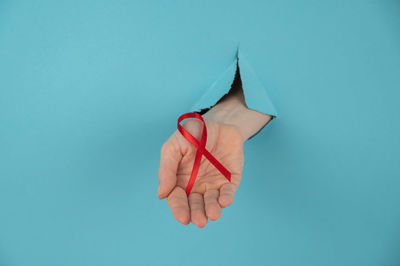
x,y
255,94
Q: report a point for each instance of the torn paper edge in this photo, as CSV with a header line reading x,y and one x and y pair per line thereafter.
x,y
255,93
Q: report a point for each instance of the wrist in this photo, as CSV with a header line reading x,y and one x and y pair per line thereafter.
x,y
233,111
226,112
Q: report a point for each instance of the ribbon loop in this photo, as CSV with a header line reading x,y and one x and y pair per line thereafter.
x,y
201,150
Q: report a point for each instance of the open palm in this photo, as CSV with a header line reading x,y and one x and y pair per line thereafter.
x,y
211,191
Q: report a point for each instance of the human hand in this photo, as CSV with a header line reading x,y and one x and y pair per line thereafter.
x,y
229,124
211,191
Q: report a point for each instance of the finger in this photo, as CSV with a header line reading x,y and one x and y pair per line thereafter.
x,y
213,210
169,162
226,195
197,212
178,202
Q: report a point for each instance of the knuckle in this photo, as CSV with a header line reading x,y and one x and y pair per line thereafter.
x,y
168,148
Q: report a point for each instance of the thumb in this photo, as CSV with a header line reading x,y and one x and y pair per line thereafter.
x,y
169,162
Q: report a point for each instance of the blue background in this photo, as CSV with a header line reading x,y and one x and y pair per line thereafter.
x,y
89,91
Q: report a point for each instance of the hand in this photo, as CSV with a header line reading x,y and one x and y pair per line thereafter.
x,y
211,191
229,124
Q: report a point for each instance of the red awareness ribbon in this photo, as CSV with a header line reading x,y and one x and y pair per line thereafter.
x,y
201,150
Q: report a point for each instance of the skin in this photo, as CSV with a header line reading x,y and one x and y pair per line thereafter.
x,y
229,124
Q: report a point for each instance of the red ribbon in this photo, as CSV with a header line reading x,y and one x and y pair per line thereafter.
x,y
201,150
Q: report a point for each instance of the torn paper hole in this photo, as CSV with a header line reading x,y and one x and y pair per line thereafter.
x,y
255,93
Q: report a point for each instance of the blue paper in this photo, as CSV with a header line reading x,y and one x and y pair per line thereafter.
x,y
90,90
255,94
